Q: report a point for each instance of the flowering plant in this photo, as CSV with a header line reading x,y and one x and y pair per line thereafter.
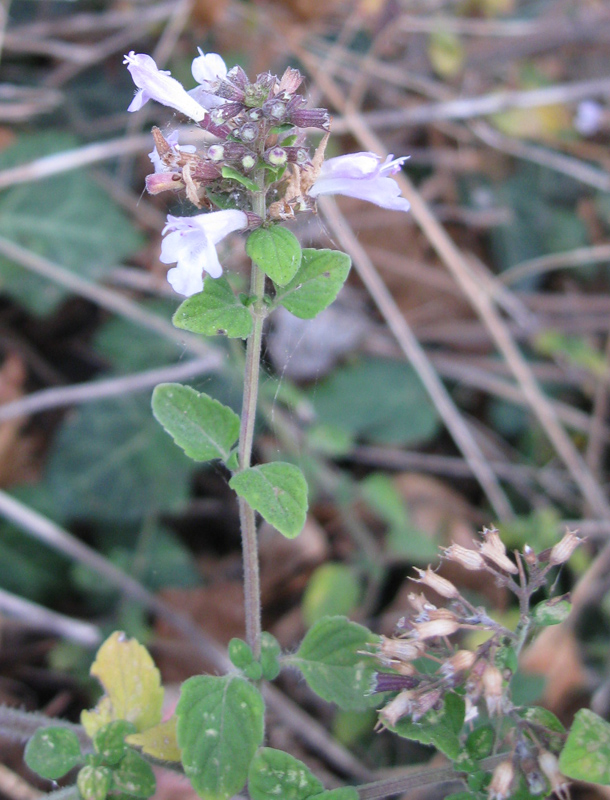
x,y
255,173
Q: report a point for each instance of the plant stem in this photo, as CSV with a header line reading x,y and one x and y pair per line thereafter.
x,y
252,594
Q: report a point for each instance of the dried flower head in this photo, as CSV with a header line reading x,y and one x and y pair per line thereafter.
x,y
469,559
501,781
439,585
563,550
494,550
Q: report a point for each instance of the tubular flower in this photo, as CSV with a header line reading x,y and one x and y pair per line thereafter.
x,y
191,243
364,176
208,69
156,84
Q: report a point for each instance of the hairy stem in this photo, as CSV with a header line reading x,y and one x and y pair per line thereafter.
x,y
247,519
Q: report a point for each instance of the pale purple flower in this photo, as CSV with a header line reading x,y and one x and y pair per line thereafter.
x,y
156,84
191,243
208,69
172,140
364,176
588,117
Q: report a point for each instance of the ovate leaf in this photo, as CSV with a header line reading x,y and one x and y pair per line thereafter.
x,y
159,741
94,782
109,741
51,752
276,251
201,426
586,755
214,311
551,612
278,491
439,728
275,774
132,684
220,727
331,660
317,283
134,776
234,175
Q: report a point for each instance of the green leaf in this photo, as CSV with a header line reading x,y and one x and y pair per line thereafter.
x,y
220,727
134,776
356,399
112,461
274,774
332,589
439,728
94,782
204,428
234,175
51,752
276,251
278,491
67,218
240,653
551,612
586,755
270,656
330,658
214,311
480,741
317,283
109,741
343,793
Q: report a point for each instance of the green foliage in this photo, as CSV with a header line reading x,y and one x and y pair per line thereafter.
x,y
332,589
109,741
575,350
331,661
220,727
270,656
439,728
111,461
94,782
274,774
317,283
278,491
52,752
276,251
204,428
134,776
234,175
343,793
67,218
480,742
240,653
29,568
586,755
355,399
214,311
551,612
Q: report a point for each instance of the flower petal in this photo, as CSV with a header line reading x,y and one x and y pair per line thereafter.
x,y
383,192
208,68
219,224
160,86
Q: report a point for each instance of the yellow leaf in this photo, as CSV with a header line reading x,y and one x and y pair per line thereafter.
x,y
132,684
543,123
159,741
446,53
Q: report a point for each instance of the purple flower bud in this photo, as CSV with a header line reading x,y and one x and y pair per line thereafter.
x,y
216,152
275,110
276,156
390,682
226,111
249,132
248,162
238,76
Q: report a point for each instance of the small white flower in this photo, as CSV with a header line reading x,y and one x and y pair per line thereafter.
x,y
362,175
191,243
588,117
156,84
207,69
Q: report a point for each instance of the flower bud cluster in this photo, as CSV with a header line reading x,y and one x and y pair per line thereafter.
x,y
429,635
